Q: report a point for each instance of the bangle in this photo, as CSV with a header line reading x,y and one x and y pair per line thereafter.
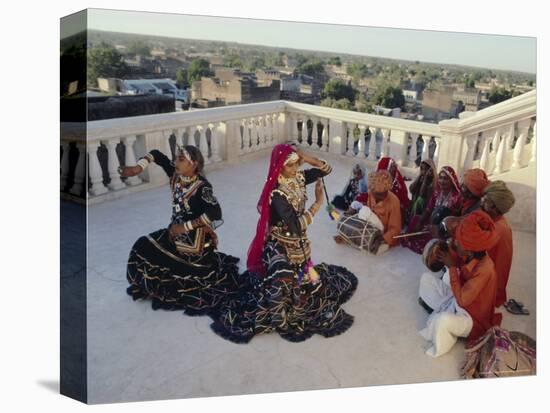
x,y
144,163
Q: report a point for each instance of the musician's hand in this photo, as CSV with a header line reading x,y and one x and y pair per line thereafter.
x,y
446,258
128,171
319,191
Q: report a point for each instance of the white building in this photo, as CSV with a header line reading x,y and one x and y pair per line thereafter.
x,y
158,86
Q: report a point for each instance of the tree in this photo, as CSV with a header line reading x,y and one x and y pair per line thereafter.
x,y
104,61
499,94
233,60
470,82
389,97
139,48
335,61
338,89
197,69
181,78
312,68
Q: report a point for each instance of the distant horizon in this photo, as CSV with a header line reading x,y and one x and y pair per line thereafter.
x,y
315,50
484,51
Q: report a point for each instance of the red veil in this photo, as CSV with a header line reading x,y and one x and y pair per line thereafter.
x,y
278,157
398,186
450,172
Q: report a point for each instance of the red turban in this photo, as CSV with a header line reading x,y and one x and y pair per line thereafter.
x,y
476,181
476,232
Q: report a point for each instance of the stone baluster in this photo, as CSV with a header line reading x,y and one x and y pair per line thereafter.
x,y
274,128
191,136
113,164
246,136
413,152
166,134
80,172
263,131
502,148
130,159
96,174
203,143
486,137
361,142
64,164
324,136
534,147
436,152
305,131
523,130
385,143
471,141
215,141
350,139
316,133
254,133
295,132
425,147
179,139
372,144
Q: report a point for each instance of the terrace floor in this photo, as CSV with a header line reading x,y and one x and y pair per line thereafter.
x,y
135,353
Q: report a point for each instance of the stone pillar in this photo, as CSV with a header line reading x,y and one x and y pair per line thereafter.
x,y
130,159
80,170
436,152
64,164
361,143
96,174
534,147
398,147
384,146
215,141
523,130
413,153
191,137
203,143
233,140
502,148
324,136
113,164
471,141
350,139
295,132
486,137
372,144
337,137
165,146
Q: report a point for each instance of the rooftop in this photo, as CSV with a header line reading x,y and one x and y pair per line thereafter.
x,y
135,353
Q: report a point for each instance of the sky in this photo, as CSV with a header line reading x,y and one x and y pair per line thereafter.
x,y
480,50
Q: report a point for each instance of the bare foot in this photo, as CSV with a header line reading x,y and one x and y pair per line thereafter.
x,y
338,239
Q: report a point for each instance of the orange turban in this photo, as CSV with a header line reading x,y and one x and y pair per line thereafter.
x,y
379,181
476,232
476,181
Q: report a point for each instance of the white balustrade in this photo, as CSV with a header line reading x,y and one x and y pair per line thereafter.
x,y
324,136
95,172
523,130
79,172
372,144
436,152
64,164
361,142
486,138
215,138
203,143
384,146
130,159
413,151
425,147
350,140
471,141
113,164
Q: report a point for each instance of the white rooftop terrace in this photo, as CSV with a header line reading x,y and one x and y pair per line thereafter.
x,y
135,353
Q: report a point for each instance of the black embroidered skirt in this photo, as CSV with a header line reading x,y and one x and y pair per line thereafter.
x,y
281,303
176,281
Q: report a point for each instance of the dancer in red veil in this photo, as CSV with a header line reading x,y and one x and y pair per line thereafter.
x,y
282,290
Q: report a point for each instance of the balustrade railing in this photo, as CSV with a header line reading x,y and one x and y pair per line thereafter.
x,y
497,139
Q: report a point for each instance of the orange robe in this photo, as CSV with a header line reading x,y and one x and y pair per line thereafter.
x,y
389,212
501,254
474,286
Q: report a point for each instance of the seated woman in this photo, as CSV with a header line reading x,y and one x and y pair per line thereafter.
x,y
282,290
446,200
464,307
398,186
179,267
385,206
422,187
357,184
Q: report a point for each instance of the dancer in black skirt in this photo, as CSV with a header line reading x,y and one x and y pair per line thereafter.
x,y
179,267
282,290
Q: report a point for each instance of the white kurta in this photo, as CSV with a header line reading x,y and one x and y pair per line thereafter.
x,y
448,320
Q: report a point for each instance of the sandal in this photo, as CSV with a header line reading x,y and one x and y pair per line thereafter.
x,y
513,307
512,301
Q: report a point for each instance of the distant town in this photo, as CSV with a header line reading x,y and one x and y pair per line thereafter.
x,y
204,74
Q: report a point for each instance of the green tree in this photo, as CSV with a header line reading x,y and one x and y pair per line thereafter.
x,y
338,89
344,104
140,48
389,97
181,78
233,60
470,82
197,69
104,61
499,94
312,68
335,61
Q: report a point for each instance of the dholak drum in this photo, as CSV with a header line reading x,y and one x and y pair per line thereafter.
x,y
359,233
